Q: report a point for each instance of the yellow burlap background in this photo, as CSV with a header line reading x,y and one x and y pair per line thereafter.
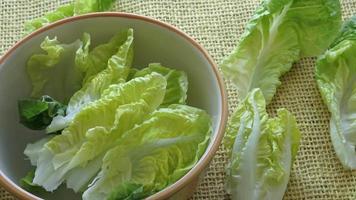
x,y
217,25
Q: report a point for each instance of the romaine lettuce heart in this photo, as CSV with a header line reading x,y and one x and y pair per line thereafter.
x,y
262,150
336,79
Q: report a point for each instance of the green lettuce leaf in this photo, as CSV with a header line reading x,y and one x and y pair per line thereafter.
x,y
87,6
279,34
83,52
64,68
262,150
64,152
78,7
98,59
26,183
336,79
132,73
37,114
129,191
153,155
54,73
33,151
116,72
61,13
177,83
99,140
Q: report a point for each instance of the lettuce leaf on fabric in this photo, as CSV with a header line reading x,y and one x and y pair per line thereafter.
x,y
336,79
280,32
60,13
37,114
177,83
153,155
87,6
262,150
116,72
64,152
78,7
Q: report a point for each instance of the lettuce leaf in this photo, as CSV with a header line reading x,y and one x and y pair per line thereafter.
x,y
78,7
61,13
87,6
116,72
132,73
99,140
153,155
37,114
336,79
177,83
262,150
279,34
63,153
33,151
98,59
26,183
61,70
54,73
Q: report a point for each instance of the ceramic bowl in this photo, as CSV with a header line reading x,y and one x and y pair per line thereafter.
x,y
155,41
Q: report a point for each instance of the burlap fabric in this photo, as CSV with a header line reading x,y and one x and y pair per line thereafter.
x,y
217,25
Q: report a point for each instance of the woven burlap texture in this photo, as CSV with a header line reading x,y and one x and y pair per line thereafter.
x,y
217,25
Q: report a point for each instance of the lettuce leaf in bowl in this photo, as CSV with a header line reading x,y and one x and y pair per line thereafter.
x,y
153,155
336,79
99,140
65,68
124,133
37,114
96,60
27,184
54,73
280,32
116,72
177,83
69,150
262,150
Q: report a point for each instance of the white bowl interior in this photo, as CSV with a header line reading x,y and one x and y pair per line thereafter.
x,y
153,43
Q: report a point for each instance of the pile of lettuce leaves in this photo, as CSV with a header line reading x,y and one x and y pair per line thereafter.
x,y
113,131
262,149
